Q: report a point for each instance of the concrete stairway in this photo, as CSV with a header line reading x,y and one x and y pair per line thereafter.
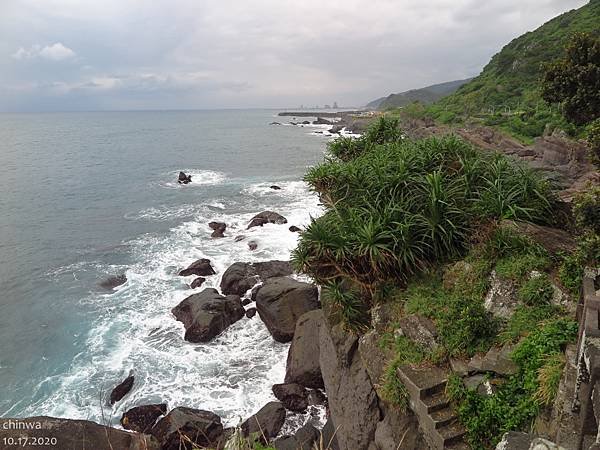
x,y
438,421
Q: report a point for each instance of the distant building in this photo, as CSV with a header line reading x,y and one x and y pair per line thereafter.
x,y
327,107
335,105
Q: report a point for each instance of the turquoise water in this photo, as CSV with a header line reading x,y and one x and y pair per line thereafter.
x,y
87,195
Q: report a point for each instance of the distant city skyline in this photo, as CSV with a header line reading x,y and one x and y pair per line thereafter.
x,y
61,55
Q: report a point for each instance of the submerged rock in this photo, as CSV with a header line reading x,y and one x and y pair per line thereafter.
x,y
275,187
113,281
266,217
200,268
218,229
183,178
71,434
188,428
207,314
240,277
252,245
267,422
142,418
293,396
303,365
281,301
122,389
197,282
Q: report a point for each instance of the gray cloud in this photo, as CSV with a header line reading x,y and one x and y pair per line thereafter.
x,y
130,54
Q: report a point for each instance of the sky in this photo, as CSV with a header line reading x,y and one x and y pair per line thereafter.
x,y
62,55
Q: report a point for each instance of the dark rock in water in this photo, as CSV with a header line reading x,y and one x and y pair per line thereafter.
x,y
293,396
239,238
267,422
218,229
275,123
321,121
113,282
197,282
317,398
184,179
281,301
252,245
188,428
304,439
294,229
246,301
336,129
121,390
306,122
143,418
303,365
71,434
266,217
240,277
250,313
200,268
293,123
254,291
275,187
207,314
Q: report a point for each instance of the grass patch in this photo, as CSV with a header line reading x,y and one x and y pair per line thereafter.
x,y
516,403
525,319
517,267
537,291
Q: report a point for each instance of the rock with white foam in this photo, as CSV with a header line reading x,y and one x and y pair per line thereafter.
x,y
201,268
188,428
266,217
241,276
208,314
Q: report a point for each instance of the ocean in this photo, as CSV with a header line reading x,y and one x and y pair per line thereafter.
x,y
89,195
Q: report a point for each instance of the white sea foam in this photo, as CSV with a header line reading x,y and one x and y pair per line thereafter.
x,y
135,330
199,178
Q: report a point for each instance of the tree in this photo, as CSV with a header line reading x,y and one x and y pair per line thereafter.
x,y
574,81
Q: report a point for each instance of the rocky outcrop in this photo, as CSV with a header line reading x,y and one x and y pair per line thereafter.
x,y
218,229
266,217
353,402
122,389
303,365
187,428
207,314
418,329
113,281
143,418
321,121
183,178
553,240
281,301
501,299
72,434
293,396
304,439
200,268
294,229
266,423
197,282
496,360
336,129
240,277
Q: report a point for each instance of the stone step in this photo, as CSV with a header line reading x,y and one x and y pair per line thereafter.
x,y
436,402
443,417
452,433
423,381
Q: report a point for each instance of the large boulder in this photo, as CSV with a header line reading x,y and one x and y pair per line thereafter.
x,y
418,329
281,301
201,268
187,428
218,229
143,418
72,434
554,240
353,402
122,389
304,439
303,365
240,277
501,299
293,396
266,217
266,423
207,314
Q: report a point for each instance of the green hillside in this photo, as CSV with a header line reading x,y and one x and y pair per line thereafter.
x,y
508,89
424,95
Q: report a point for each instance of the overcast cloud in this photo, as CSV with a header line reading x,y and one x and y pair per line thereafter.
x,y
172,54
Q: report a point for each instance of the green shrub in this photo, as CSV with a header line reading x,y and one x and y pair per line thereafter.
x,y
525,319
586,209
549,376
518,266
345,303
536,291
